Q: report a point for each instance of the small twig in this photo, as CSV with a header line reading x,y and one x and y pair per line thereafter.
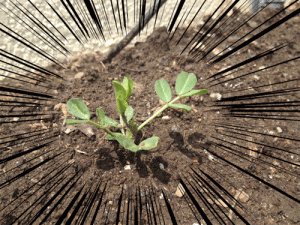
x,y
126,40
82,152
103,65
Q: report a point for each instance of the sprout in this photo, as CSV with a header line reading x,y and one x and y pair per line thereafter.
x,y
184,84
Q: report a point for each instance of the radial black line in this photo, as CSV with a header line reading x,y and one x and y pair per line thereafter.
x,y
90,203
69,207
27,171
170,211
66,24
247,61
199,208
214,24
79,19
24,153
86,20
119,15
43,29
232,32
257,36
93,13
30,45
242,38
52,168
43,78
222,188
78,205
269,135
28,64
50,24
35,202
202,27
156,15
78,23
179,8
222,28
258,143
182,20
22,165
255,177
18,137
191,20
151,206
58,202
211,193
106,17
252,158
113,11
204,196
25,76
98,205
256,96
259,105
55,184
204,199
220,196
259,70
34,32
147,208
103,18
18,142
209,28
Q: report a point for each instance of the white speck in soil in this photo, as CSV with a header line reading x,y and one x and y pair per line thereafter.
x,y
161,166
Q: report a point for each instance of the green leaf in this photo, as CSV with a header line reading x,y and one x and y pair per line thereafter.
x,y
120,91
149,143
111,138
129,134
181,106
101,115
195,92
78,108
163,90
126,143
70,121
122,105
129,113
110,122
128,86
133,124
185,82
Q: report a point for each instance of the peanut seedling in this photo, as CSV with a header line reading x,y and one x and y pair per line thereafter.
x,y
128,128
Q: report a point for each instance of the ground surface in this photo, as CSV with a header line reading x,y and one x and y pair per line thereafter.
x,y
183,135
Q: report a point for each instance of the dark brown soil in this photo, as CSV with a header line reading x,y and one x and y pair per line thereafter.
x,y
186,138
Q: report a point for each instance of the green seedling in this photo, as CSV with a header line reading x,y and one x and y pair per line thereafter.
x,y
128,128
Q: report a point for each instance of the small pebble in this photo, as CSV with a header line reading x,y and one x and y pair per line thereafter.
x,y
180,191
79,75
279,130
127,167
166,118
216,95
161,166
161,196
256,77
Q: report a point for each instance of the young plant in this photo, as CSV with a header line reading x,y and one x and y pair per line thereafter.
x,y
128,128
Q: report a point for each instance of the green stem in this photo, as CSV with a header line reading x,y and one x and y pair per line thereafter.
x,y
158,112
105,129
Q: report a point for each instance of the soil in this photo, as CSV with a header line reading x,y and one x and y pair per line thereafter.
x,y
187,140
